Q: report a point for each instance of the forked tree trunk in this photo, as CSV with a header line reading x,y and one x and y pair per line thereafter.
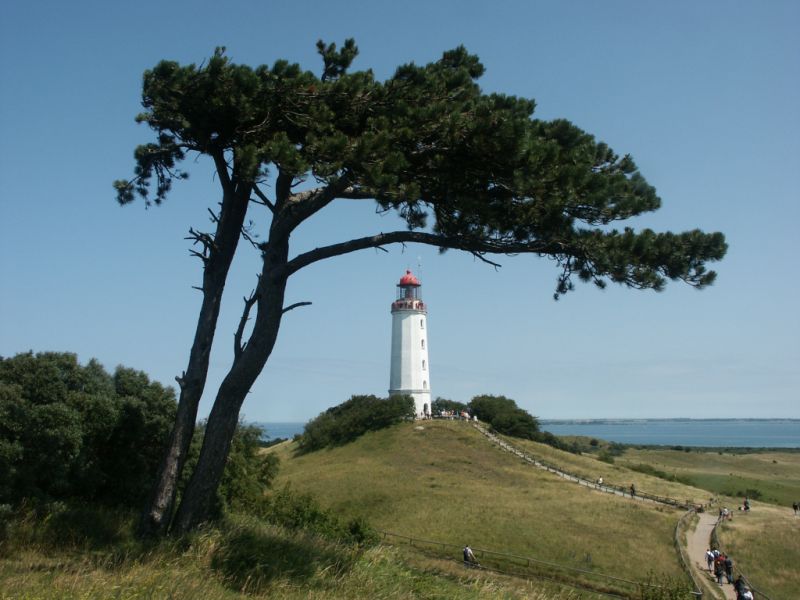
x,y
198,498
157,514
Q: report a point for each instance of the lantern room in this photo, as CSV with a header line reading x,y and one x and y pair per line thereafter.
x,y
409,296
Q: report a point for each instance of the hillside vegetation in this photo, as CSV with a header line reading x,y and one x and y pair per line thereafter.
x,y
239,558
769,476
442,481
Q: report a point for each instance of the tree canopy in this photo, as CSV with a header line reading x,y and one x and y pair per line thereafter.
x,y
465,169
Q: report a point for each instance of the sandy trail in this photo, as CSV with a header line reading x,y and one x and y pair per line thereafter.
x,y
697,542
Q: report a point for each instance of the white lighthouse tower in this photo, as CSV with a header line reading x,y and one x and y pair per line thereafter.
x,y
410,371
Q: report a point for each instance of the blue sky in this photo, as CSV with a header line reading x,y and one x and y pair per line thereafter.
x,y
704,95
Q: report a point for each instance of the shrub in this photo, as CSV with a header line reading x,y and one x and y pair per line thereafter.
x,y
353,418
443,404
301,511
75,432
504,416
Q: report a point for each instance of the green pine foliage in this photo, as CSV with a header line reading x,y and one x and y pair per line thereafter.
x,y
353,418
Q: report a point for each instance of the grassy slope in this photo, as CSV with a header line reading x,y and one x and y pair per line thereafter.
x,y
765,545
447,483
244,559
775,474
589,467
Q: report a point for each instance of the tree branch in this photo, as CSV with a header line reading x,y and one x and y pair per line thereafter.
x,y
264,200
238,348
295,305
477,248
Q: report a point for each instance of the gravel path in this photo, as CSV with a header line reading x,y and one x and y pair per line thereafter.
x,y
697,542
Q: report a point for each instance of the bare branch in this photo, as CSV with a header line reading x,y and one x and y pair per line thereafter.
x,y
264,200
238,348
295,305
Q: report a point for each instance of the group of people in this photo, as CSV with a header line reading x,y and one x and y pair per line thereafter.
x,y
721,565
455,414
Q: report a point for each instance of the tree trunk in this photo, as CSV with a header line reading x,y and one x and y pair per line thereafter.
x,y
198,498
157,514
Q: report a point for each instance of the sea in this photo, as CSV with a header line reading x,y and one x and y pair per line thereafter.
x,y
712,433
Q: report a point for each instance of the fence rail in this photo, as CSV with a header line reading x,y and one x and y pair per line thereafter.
x,y
600,583
583,480
684,559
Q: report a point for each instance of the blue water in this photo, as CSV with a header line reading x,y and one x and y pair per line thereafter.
x,y
744,433
721,433
274,431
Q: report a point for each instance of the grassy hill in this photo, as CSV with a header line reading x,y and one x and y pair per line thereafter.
x,y
437,481
443,481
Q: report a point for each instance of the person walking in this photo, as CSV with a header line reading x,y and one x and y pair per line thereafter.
x,y
739,587
719,569
469,557
728,563
710,560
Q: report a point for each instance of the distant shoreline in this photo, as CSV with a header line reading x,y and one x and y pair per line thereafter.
x,y
666,420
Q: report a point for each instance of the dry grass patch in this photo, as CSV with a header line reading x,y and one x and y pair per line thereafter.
x,y
765,545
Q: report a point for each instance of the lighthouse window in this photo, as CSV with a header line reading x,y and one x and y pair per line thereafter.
x,y
422,323
423,344
424,385
423,365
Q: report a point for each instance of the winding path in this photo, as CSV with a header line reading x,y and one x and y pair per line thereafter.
x,y
697,542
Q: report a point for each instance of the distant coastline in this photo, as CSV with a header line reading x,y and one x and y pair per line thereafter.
x,y
665,419
686,432
709,433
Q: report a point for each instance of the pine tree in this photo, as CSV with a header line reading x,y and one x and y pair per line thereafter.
x,y
466,170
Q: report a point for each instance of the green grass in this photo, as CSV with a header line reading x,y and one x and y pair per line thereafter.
x,y
446,483
618,474
764,544
241,559
776,475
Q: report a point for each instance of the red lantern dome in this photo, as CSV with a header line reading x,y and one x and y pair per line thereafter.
x,y
409,280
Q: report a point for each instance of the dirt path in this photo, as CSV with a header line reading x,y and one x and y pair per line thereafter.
x,y
697,542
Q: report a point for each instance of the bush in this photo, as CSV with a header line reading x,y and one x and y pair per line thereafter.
x,y
72,432
443,404
299,511
352,419
504,416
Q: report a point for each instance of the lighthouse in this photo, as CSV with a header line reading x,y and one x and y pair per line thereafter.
x,y
410,371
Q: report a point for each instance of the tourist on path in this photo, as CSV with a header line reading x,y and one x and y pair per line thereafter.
x,y
710,560
739,587
728,568
719,568
469,556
